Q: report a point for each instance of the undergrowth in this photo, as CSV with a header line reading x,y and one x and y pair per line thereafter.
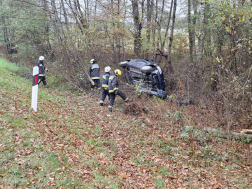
x,y
72,142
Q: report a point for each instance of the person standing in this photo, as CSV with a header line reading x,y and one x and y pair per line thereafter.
x,y
94,73
114,90
105,79
42,69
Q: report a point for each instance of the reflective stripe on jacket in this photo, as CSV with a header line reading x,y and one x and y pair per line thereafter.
x,y
113,83
105,80
42,68
94,71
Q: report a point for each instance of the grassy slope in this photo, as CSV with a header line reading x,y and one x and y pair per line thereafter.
x,y
72,142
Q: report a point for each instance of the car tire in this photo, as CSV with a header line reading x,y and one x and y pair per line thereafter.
x,y
147,69
123,64
128,77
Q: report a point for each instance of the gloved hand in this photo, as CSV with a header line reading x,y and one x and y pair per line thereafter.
x,y
116,90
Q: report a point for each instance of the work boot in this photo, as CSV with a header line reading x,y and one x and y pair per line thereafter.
x,y
110,109
129,100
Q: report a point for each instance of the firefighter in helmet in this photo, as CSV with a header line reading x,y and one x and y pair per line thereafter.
x,y
42,69
94,73
114,90
105,79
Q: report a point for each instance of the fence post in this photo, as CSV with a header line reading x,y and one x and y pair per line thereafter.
x,y
35,88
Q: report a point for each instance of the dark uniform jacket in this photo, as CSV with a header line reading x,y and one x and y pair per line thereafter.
x,y
113,83
105,80
94,71
42,68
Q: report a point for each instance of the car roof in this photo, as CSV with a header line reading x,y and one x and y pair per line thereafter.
x,y
139,63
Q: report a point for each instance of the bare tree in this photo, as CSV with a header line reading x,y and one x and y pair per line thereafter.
x,y
190,30
167,26
200,34
137,28
169,62
149,20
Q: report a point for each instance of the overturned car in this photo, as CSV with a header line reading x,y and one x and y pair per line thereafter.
x,y
146,75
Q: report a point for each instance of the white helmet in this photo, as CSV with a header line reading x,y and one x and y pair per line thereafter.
x,y
41,58
107,69
92,61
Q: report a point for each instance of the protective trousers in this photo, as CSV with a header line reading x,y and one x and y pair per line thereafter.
x,y
42,78
96,83
104,94
113,95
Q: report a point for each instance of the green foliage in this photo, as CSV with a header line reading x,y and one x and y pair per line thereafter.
x,y
159,182
7,66
178,115
26,27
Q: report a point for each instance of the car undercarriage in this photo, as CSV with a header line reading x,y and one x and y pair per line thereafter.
x,y
146,76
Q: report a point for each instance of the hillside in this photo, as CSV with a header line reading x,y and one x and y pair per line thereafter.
x,y
72,142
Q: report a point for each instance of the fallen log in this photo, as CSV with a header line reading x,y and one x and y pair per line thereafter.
x,y
229,134
186,102
246,131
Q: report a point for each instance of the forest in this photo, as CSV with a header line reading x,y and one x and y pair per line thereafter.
x,y
205,50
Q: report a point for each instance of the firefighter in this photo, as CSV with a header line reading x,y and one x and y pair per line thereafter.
x,y
94,73
114,90
42,69
105,79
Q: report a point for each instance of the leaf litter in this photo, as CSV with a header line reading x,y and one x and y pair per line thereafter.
x,y
78,144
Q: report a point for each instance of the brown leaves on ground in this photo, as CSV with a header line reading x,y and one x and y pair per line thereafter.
x,y
134,108
72,142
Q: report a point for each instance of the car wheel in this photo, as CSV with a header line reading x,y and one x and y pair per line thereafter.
x,y
128,77
147,69
123,64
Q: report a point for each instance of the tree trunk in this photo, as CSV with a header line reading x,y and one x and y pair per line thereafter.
x,y
50,53
167,26
207,39
159,24
200,36
137,29
75,14
190,29
8,35
149,15
171,81
65,14
169,62
82,19
228,135
154,28
194,22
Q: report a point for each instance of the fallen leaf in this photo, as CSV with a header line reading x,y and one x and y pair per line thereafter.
x,y
172,177
123,175
184,166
